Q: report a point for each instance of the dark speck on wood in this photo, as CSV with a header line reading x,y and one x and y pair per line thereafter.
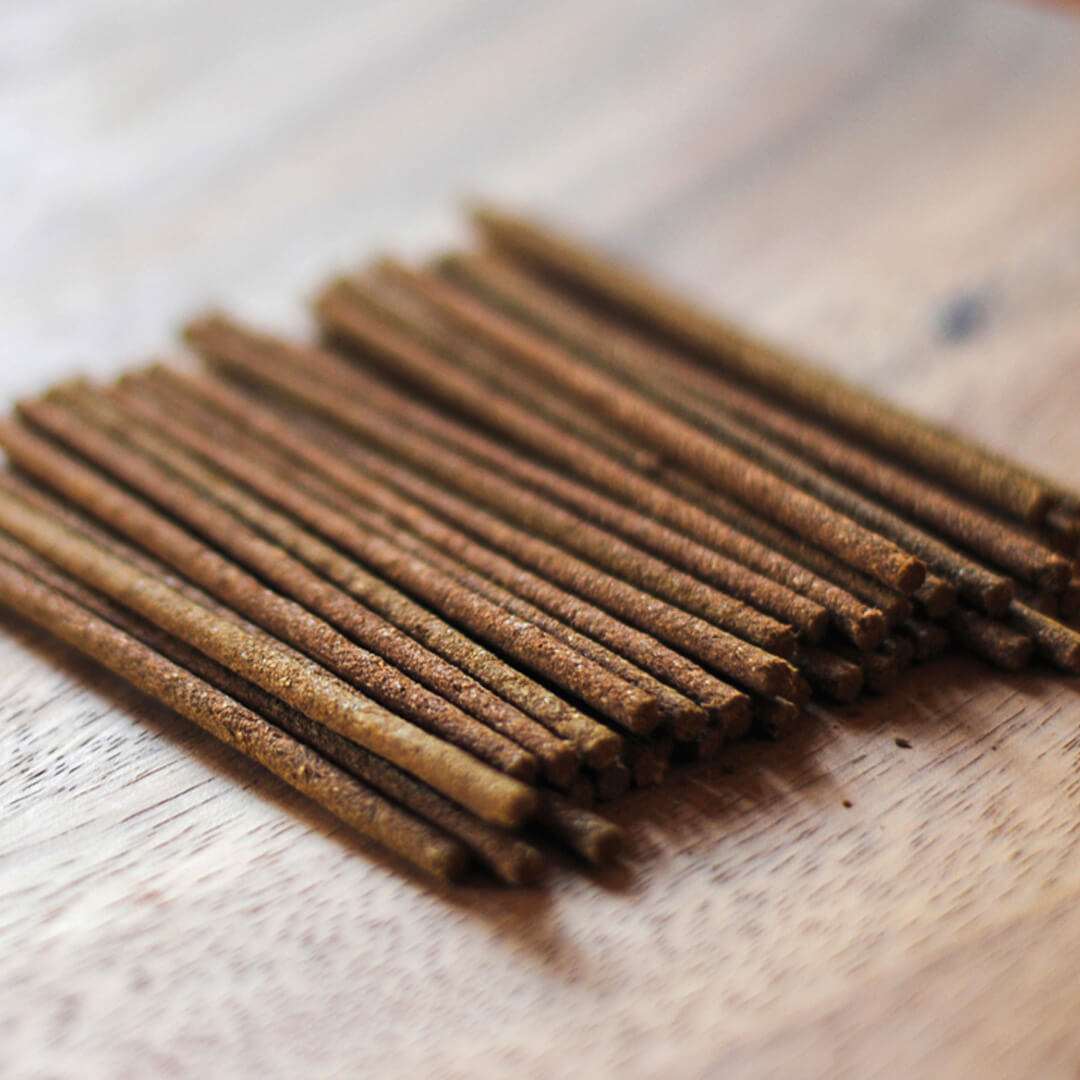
x,y
962,317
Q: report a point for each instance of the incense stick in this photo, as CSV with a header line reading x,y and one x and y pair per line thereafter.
x,y
986,476
704,457
331,460
591,334
352,802
365,670
513,860
300,682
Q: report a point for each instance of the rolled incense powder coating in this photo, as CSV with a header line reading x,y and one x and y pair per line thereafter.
x,y
674,709
831,675
992,641
596,840
774,717
513,860
401,433
385,682
863,624
612,782
854,614
605,339
530,697
1053,640
982,474
522,637
686,444
465,394
300,682
649,760
930,639
449,680
989,590
743,662
935,598
407,502
708,565
413,315
328,522
988,536
301,768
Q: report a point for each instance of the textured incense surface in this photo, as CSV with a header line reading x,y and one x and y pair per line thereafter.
x,y
526,534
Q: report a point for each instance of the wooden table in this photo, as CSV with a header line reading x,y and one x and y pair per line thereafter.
x,y
893,187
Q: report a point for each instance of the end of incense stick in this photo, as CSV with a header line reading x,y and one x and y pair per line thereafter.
x,y
908,573
594,838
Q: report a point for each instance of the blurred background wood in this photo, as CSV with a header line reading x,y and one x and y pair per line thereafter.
x,y
889,186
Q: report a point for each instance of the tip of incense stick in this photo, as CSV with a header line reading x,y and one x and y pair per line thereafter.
x,y
996,598
733,715
1054,575
525,866
518,806
870,629
910,574
937,598
560,766
602,748
604,844
448,862
690,722
63,390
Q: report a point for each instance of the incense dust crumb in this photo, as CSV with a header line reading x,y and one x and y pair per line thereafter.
x,y
847,804
904,744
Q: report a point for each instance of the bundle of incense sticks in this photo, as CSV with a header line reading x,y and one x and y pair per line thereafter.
x,y
524,531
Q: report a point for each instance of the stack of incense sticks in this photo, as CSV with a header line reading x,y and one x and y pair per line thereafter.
x,y
523,532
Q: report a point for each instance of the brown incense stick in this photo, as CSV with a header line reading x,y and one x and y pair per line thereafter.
x,y
489,486
989,590
302,683
558,445
667,432
861,596
591,836
366,670
568,669
985,476
413,315
349,800
513,860
556,755
531,698
590,334
1058,643
684,715
831,675
708,565
929,639
740,660
992,641
935,598
330,461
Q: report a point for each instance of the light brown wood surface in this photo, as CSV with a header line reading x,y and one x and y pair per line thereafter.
x,y
893,187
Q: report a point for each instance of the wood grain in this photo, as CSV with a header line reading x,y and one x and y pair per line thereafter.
x,y
890,186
